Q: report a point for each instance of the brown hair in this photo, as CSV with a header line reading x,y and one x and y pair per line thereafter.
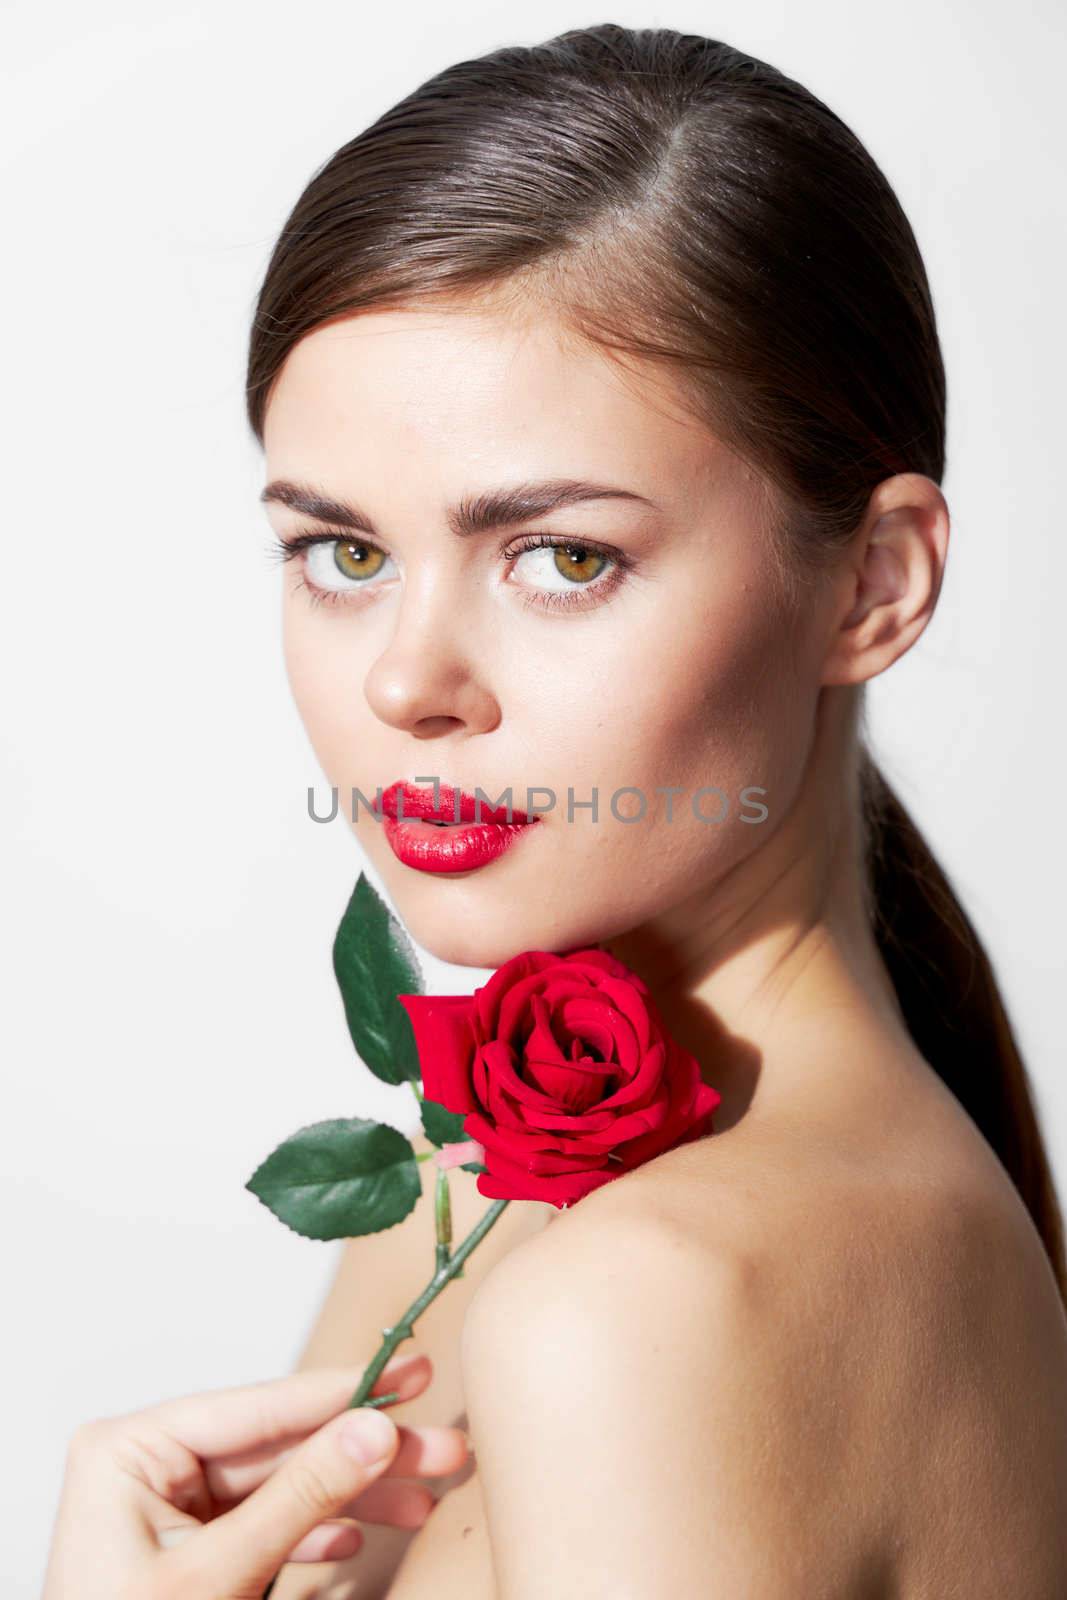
x,y
674,199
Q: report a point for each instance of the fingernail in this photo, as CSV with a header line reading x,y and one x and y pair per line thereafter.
x,y
367,1435
400,1362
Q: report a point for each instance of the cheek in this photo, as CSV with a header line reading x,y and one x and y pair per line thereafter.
x,y
719,704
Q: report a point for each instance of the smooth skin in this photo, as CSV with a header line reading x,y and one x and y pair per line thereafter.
x,y
820,1353
206,1496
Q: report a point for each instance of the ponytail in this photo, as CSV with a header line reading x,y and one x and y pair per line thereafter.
x,y
951,1003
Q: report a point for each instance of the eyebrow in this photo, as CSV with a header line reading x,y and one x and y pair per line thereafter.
x,y
496,508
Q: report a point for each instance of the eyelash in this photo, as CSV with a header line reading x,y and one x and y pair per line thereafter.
x,y
548,600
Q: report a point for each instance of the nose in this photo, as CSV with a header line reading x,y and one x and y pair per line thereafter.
x,y
430,679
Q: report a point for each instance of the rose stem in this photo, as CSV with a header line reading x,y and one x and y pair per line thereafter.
x,y
448,1266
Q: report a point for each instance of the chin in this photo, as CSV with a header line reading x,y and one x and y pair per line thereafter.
x,y
469,945
457,935
466,920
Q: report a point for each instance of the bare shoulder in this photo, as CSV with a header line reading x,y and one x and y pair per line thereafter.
x,y
676,1408
863,1348
765,1213
833,1248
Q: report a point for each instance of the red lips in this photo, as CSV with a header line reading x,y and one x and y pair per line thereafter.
x,y
408,800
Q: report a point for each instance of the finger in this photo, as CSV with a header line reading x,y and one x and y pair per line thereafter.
x,y
429,1452
330,1541
231,1477
246,1546
424,1452
392,1503
223,1421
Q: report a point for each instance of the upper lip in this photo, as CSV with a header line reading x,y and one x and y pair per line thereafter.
x,y
418,801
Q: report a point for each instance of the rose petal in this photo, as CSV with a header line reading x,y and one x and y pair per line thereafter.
x,y
627,999
598,1020
514,975
516,1006
541,1041
573,1086
644,1086
507,1180
445,1046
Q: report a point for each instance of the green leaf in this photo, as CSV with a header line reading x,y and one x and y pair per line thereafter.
x,y
441,1126
472,1166
374,961
339,1179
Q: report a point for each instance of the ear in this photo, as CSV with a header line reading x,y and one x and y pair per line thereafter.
x,y
889,578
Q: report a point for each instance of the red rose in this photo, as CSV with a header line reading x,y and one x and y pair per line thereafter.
x,y
563,1072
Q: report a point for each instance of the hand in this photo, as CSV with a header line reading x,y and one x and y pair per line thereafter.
x,y
205,1497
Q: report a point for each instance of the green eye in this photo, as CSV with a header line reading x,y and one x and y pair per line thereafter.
x,y
336,566
357,560
555,573
341,566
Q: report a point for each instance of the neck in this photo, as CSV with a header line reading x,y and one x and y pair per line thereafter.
x,y
747,973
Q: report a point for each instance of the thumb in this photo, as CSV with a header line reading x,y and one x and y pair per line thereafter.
x,y
238,1553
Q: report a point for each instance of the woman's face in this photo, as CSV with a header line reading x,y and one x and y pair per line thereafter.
x,y
660,655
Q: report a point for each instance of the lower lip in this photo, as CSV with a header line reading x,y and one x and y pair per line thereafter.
x,y
457,847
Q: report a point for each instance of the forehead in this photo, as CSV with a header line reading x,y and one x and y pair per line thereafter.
x,y
474,389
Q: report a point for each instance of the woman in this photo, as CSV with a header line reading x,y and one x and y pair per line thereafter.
x,y
604,414
824,1351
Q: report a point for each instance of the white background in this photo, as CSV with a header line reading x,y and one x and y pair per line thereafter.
x,y
170,1010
